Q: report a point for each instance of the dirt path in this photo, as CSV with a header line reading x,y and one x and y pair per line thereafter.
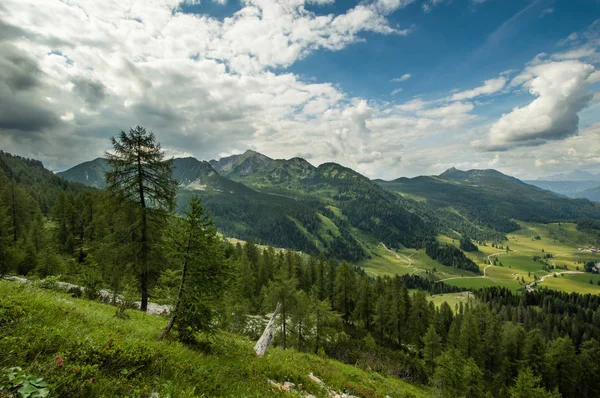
x,y
153,308
530,287
403,258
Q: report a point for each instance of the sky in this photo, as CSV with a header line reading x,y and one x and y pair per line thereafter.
x,y
389,88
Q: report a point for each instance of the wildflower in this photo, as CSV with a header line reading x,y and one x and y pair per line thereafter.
x,y
90,380
60,360
74,370
35,363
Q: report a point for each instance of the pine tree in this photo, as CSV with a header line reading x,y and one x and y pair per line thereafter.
x,y
590,368
195,243
140,176
326,321
534,351
527,385
432,347
282,289
470,337
419,316
344,288
6,258
363,311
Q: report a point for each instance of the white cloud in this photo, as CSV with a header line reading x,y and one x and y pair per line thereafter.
x,y
455,108
402,78
210,86
396,91
547,11
561,91
430,4
203,85
489,87
578,53
412,106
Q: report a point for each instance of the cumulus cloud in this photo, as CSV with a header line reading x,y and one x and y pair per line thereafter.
x,y
209,86
205,85
561,91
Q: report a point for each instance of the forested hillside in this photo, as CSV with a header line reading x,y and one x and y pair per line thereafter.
x,y
289,203
492,199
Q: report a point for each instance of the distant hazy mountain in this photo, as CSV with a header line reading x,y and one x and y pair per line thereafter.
x,y
89,173
572,189
591,194
572,184
577,175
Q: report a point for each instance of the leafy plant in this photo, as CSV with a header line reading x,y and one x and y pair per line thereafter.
x,y
25,385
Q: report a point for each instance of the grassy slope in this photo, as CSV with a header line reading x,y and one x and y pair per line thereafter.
x,y
124,358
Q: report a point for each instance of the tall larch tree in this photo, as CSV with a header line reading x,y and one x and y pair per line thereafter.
x,y
140,176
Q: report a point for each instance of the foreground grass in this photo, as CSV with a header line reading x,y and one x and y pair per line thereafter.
x,y
105,356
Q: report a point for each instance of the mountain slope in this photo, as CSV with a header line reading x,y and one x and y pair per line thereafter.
x,y
250,163
373,214
591,194
88,173
492,198
242,212
41,184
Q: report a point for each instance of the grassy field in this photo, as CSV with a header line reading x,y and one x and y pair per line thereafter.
x,y
82,350
561,240
407,261
517,268
453,299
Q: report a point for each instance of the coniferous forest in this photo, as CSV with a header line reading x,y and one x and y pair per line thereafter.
x,y
127,240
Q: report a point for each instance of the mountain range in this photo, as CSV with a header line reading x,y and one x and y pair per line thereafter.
x,y
334,210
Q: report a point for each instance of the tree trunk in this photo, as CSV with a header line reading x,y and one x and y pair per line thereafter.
x,y
262,345
179,294
283,322
317,332
144,272
14,212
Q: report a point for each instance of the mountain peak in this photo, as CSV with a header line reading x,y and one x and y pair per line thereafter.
x,y
461,175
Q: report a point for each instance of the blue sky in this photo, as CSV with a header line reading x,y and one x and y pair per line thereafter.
x,y
388,87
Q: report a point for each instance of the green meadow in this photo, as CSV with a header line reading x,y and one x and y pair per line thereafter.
x,y
516,267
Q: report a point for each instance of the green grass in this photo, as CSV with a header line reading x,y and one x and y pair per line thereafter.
x,y
122,357
453,299
562,240
409,261
574,283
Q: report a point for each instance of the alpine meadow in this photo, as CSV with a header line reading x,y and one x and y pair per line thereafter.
x,y
308,198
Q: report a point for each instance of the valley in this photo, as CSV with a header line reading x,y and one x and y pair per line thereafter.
x,y
293,204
